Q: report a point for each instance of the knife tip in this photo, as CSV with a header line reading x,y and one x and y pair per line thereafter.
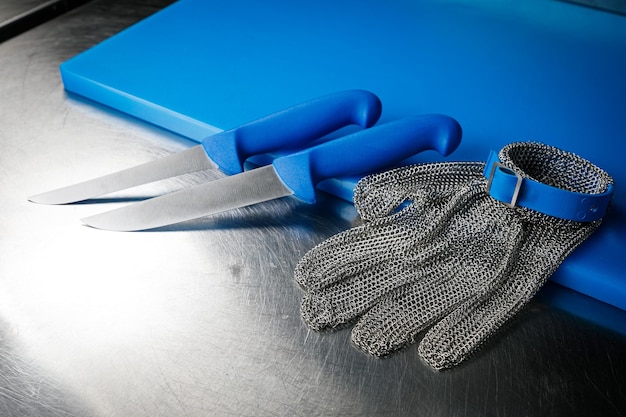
x,y
36,199
93,224
101,222
48,198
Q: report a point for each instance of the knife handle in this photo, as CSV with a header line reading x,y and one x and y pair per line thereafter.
x,y
367,151
293,127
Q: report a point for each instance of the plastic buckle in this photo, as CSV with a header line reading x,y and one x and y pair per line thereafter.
x,y
518,184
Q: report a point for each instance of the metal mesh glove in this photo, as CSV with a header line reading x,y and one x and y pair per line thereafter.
x,y
436,251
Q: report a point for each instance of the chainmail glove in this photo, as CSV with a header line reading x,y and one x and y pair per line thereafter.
x,y
438,253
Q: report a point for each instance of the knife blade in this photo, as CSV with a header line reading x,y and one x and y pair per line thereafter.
x,y
228,150
296,174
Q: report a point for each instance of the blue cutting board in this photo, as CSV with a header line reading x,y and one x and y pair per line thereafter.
x,y
506,70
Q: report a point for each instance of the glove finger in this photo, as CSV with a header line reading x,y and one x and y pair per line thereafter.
x,y
468,272
397,319
347,254
389,281
339,304
361,288
456,337
461,333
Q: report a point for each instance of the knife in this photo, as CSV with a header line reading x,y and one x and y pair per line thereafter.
x,y
287,129
366,151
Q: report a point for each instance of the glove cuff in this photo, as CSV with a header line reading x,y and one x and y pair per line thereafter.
x,y
548,180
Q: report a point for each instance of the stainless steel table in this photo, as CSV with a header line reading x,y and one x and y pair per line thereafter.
x,y
203,319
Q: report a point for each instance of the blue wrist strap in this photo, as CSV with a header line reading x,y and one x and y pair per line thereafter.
x,y
506,186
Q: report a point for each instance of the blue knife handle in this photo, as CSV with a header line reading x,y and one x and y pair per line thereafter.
x,y
367,151
291,128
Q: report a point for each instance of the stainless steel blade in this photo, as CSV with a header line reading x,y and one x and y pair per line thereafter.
x,y
189,160
247,188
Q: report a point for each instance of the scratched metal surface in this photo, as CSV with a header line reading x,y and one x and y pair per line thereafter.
x,y
203,319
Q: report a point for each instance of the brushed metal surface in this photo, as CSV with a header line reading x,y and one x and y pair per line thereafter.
x,y
203,319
